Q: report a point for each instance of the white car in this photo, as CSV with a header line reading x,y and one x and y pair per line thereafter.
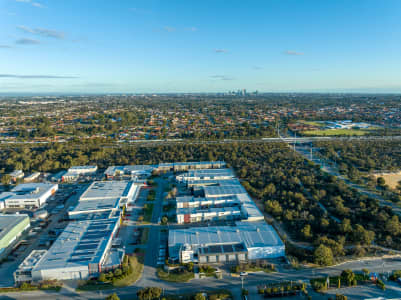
x,y
243,274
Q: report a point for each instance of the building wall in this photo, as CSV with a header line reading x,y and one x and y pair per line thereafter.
x,y
14,233
266,252
80,272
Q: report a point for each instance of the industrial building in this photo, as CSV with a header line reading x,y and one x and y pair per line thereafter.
x,y
73,173
90,207
191,215
185,166
104,196
11,228
216,202
133,172
225,244
28,195
110,189
82,251
32,177
202,202
205,174
17,174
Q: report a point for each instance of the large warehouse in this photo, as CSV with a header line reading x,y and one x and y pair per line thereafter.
x,y
28,195
103,196
220,202
11,227
83,250
110,189
131,171
205,174
185,166
220,244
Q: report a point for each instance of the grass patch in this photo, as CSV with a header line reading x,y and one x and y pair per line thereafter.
x,y
213,295
254,267
151,195
148,210
26,287
313,123
336,132
136,264
177,275
130,272
144,235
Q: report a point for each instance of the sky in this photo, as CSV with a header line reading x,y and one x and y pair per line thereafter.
x,y
165,46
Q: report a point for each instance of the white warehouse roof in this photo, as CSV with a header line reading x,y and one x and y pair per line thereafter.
x,y
80,244
109,189
253,235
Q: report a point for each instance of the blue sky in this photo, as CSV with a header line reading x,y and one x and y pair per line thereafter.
x,y
100,46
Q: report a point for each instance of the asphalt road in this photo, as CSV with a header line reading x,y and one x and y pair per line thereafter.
x,y
231,283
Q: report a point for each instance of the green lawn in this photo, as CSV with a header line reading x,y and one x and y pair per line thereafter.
x,y
148,210
336,132
137,268
136,264
144,236
313,123
184,276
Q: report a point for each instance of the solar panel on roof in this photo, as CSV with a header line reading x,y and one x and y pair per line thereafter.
x,y
85,259
83,253
97,227
86,247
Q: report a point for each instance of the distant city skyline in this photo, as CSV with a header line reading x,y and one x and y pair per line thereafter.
x,y
199,46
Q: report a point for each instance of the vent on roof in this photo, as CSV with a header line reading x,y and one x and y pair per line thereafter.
x,y
258,229
237,230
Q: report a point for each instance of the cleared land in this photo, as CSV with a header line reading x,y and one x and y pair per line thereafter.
x,y
391,179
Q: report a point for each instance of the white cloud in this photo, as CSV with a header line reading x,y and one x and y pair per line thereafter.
x,y
221,77
290,52
42,31
36,76
33,3
25,41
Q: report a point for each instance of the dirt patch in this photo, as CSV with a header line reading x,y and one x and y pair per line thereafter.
x,y
391,179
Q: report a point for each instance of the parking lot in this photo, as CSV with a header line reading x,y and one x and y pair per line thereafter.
x,y
42,232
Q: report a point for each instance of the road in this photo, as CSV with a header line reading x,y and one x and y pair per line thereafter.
x,y
231,283
153,143
330,168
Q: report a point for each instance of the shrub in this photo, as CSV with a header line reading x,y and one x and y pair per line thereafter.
x,y
380,284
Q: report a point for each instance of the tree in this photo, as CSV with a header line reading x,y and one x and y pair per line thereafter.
x,y
5,179
348,276
112,297
381,182
149,293
200,296
118,272
306,232
102,277
323,256
164,220
365,272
